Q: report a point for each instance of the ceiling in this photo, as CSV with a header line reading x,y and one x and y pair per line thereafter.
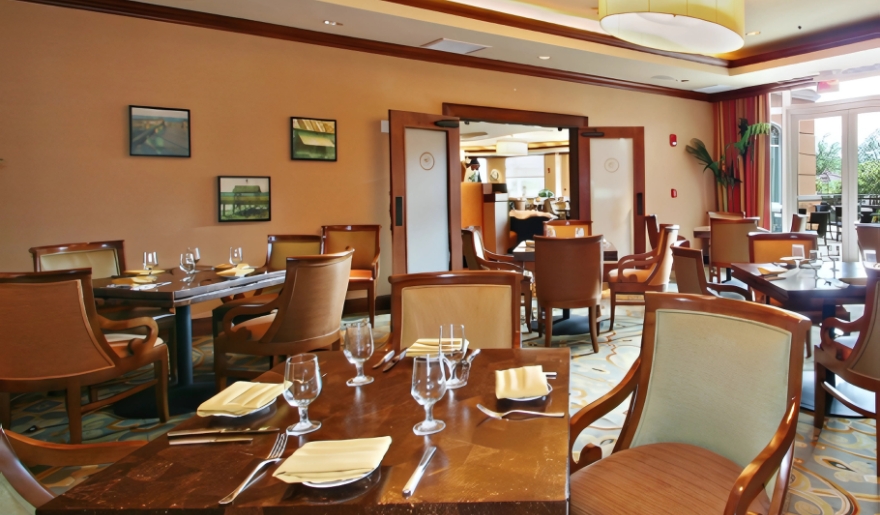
x,y
562,30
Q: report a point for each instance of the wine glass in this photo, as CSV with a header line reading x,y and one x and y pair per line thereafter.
x,y
302,385
428,387
797,253
188,265
815,262
834,256
357,349
196,255
454,358
151,260
235,256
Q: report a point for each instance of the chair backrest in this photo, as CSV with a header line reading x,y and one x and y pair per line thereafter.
x,y
105,258
364,239
726,215
690,276
729,240
568,228
472,247
14,475
769,247
50,328
663,254
652,224
869,237
798,223
568,271
717,373
486,302
519,204
864,359
283,246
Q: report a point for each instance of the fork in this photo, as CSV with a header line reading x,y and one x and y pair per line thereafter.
x,y
499,416
274,455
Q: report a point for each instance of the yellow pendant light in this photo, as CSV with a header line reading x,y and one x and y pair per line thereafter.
x,y
692,26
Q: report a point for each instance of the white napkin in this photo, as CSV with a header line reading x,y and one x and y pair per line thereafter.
x,y
428,346
333,460
238,271
771,269
519,383
240,399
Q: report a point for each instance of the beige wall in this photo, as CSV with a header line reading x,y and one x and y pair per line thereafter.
x,y
68,77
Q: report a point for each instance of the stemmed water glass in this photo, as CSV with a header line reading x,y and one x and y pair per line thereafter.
x,y
151,260
235,256
797,253
188,265
358,348
302,385
428,387
834,256
196,255
454,358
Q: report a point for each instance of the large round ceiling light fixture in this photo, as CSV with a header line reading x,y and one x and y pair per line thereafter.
x,y
691,26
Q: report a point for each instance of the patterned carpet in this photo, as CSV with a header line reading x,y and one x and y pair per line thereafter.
x,y
834,476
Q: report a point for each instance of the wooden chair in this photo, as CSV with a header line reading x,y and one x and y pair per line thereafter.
x,y
486,302
855,359
519,204
640,273
568,274
364,240
711,425
652,224
729,243
798,223
726,215
478,258
62,346
868,236
690,275
18,452
770,247
280,247
567,228
309,312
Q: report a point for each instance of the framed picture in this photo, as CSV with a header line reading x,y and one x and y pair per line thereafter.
x,y
244,199
312,139
158,131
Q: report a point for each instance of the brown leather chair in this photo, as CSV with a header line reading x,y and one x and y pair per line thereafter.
x,y
568,274
478,258
309,312
690,275
68,350
798,223
855,359
280,247
869,237
364,239
486,302
707,430
652,224
18,452
770,247
726,215
729,243
567,228
640,273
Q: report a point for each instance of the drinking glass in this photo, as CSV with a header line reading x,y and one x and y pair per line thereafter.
x,y
302,385
151,260
188,265
834,256
815,262
235,256
797,252
196,255
357,349
870,256
428,387
454,358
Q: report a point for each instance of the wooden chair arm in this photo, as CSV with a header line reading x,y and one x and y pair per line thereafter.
x,y
843,325
499,257
375,267
262,309
136,345
637,257
730,288
756,474
500,265
623,266
35,452
598,409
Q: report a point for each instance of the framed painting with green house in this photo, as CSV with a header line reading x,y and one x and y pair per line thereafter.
x,y
244,199
312,139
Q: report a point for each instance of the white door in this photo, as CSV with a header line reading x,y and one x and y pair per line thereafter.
x,y
427,221
611,185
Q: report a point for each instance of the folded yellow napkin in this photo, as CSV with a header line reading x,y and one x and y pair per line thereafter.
x,y
333,460
771,270
530,243
519,383
227,266
240,399
154,271
426,346
238,271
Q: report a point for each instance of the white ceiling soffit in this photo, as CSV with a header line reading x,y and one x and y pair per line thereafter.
x,y
454,47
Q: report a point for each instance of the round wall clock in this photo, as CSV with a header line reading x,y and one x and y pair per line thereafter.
x,y
494,175
426,161
611,165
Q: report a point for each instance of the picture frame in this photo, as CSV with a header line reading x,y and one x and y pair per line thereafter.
x,y
244,198
313,139
159,131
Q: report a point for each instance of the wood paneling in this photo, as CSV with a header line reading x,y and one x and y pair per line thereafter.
x,y
502,115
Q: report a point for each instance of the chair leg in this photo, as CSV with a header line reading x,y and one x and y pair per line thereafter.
x,y
527,293
809,342
613,308
93,393
371,303
74,412
594,328
820,398
876,440
540,321
219,369
548,329
160,371
6,410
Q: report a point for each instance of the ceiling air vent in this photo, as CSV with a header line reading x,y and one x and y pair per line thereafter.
x,y
714,89
453,46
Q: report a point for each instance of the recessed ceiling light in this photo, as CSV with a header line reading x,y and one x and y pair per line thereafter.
x,y
331,22
544,57
753,33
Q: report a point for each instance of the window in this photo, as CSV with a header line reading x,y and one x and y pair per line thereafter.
x,y
776,178
525,175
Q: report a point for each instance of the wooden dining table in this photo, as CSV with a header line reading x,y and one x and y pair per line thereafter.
x,y
482,465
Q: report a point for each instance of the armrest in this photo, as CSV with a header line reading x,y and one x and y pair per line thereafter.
x,y
621,267
730,288
374,266
499,265
756,474
35,452
136,345
843,325
499,257
598,409
637,257
262,309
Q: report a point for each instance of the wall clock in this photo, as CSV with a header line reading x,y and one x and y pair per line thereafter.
x,y
426,161
611,165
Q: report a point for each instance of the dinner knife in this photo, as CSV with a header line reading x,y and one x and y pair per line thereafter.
x,y
209,439
413,482
394,361
384,359
221,430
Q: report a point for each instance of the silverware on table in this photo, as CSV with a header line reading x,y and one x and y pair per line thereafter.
x,y
149,286
209,439
550,375
394,361
499,416
221,430
274,455
384,359
413,482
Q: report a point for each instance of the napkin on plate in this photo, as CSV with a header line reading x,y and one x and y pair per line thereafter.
x,y
240,399
771,269
227,266
241,270
519,383
428,346
154,271
333,460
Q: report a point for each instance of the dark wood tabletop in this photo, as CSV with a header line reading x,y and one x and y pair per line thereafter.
x,y
482,465
526,254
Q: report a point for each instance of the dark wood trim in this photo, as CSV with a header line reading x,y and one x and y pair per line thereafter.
x,y
518,116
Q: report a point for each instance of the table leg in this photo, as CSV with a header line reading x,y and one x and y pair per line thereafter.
x,y
183,321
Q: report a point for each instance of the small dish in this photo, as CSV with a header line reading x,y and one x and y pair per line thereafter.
x,y
331,484
549,389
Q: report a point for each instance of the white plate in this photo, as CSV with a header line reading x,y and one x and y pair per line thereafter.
x,y
549,389
331,484
792,259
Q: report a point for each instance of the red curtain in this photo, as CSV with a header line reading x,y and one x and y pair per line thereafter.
x,y
752,194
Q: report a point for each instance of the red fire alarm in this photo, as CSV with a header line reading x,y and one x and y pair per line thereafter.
x,y
674,193
673,140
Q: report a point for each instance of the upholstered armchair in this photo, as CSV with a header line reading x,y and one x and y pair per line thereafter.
x,y
309,312
62,346
712,418
770,247
798,223
729,243
486,302
364,240
690,276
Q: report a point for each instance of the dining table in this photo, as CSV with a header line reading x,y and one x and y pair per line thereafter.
x,y
481,466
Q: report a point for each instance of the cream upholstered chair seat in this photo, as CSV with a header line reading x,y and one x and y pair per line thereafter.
x,y
257,326
639,275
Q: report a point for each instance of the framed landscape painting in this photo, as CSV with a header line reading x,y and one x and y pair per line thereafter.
x,y
312,139
157,131
244,199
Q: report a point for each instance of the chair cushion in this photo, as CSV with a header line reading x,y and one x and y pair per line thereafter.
x,y
119,342
257,326
656,479
634,275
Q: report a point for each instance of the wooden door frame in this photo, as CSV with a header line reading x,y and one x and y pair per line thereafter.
x,y
397,151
